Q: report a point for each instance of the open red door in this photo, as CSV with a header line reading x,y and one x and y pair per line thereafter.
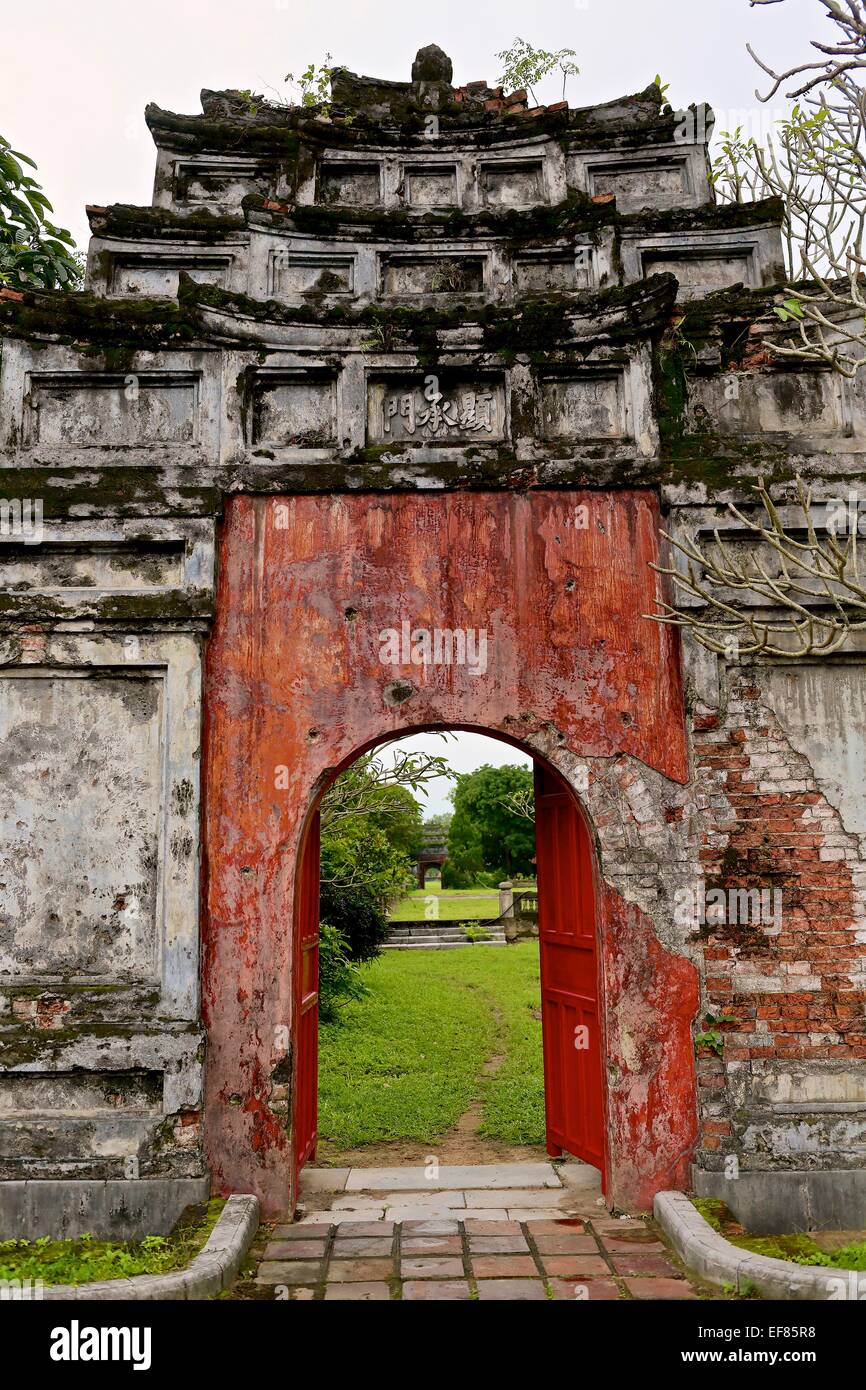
x,y
573,1090
306,1002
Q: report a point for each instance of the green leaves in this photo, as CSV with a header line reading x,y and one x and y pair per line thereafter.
x,y
490,828
314,84
34,253
790,309
525,66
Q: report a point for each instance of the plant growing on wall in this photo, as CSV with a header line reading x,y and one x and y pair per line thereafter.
x,y
314,84
816,164
525,66
34,253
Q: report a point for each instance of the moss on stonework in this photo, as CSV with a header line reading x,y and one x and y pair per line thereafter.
x,y
576,212
539,323
113,328
765,212
128,221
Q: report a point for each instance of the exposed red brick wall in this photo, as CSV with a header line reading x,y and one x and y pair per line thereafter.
x,y
794,993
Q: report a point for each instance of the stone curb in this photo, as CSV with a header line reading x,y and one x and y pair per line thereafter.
x,y
708,1254
213,1269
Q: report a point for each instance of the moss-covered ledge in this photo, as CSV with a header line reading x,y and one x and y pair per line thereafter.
x,y
214,1268
710,1255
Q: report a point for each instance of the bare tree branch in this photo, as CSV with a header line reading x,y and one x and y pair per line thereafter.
x,y
816,164
817,598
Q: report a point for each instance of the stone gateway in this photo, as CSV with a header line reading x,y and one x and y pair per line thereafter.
x,y
423,361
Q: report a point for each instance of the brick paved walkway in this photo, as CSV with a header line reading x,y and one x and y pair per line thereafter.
x,y
335,1254
448,1260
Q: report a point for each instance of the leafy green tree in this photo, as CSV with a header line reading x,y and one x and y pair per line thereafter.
x,y
370,838
490,829
339,977
34,253
525,66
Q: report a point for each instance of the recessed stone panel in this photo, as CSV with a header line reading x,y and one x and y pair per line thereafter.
x,y
225,183
512,183
807,403
701,272
353,184
81,1093
159,275
79,411
431,186
585,407
106,568
298,274
295,410
640,184
80,816
412,275
434,410
569,271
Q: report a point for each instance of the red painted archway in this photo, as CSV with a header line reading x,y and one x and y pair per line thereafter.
x,y
296,687
572,982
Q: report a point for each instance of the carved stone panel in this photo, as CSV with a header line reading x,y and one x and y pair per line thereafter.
x,y
512,183
413,275
566,270
701,272
295,408
99,818
431,185
640,184
350,183
80,817
810,403
303,273
109,568
429,410
159,275
584,407
225,182
78,410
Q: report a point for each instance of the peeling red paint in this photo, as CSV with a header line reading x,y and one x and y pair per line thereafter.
x,y
651,998
295,681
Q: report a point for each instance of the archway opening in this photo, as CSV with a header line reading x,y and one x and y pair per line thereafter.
x,y
562,947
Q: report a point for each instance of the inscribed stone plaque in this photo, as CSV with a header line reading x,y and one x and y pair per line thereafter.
x,y
426,410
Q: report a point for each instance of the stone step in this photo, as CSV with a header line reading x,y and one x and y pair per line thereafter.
x,y
451,1176
435,945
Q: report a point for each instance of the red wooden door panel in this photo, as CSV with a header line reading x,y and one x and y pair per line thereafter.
x,y
306,1001
574,1098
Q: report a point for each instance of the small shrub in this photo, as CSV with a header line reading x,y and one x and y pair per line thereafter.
x,y
355,913
339,975
454,876
474,933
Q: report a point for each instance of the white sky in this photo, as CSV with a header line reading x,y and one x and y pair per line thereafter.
x,y
74,80
464,752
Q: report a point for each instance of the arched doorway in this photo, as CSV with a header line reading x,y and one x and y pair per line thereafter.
x,y
572,983
298,684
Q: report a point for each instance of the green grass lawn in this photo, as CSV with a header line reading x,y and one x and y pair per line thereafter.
x,y
455,904
407,1061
